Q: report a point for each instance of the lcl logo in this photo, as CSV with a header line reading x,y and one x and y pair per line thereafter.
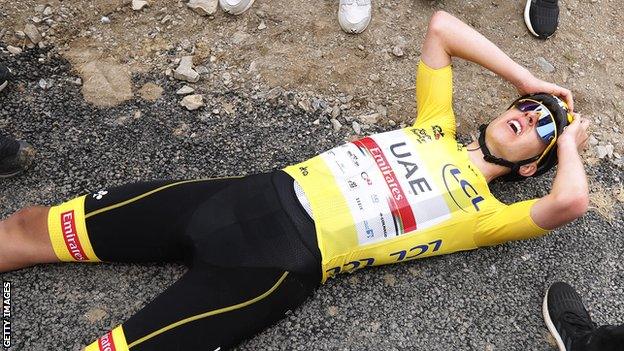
x,y
467,196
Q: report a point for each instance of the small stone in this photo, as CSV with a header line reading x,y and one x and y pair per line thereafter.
x,y
165,19
544,65
335,111
203,7
369,119
601,151
139,4
239,37
20,34
335,124
593,141
398,51
14,50
361,47
262,26
77,81
32,33
610,148
137,114
226,78
47,11
216,111
43,84
185,70
192,102
316,122
36,19
382,110
185,90
356,127
374,77
105,20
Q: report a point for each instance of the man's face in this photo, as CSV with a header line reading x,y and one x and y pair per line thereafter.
x,y
512,135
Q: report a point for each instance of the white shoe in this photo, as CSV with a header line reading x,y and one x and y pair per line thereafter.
x,y
235,7
354,15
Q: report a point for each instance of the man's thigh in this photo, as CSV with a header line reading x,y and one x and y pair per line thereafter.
x,y
136,222
212,308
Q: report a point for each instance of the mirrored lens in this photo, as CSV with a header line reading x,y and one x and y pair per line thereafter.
x,y
526,105
546,126
546,123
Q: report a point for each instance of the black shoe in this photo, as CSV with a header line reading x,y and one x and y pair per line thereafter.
x,y
4,77
542,17
566,318
15,162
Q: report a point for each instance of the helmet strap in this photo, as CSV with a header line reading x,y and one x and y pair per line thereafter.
x,y
488,157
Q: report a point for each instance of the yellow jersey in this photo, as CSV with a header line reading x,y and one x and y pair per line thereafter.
x,y
406,194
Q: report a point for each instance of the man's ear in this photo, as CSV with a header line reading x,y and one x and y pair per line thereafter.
x,y
528,169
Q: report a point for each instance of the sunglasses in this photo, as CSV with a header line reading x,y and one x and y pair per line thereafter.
x,y
545,127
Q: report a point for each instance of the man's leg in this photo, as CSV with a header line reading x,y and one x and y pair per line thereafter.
x,y
132,223
211,308
24,239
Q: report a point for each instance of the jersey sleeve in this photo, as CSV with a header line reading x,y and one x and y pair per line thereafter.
x,y
434,97
507,223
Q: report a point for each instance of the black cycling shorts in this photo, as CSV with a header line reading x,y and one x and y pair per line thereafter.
x,y
250,248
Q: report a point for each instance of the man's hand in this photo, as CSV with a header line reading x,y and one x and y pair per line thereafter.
x,y
575,133
534,85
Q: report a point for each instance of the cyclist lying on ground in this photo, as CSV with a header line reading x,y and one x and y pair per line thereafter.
x,y
258,246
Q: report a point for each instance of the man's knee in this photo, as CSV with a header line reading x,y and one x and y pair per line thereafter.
x,y
27,222
25,239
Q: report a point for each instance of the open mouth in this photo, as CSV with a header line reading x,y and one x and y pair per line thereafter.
x,y
516,126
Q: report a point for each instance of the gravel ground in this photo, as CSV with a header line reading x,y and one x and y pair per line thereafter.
x,y
488,299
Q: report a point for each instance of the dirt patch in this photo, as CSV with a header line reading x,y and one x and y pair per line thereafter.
x,y
105,82
150,92
604,200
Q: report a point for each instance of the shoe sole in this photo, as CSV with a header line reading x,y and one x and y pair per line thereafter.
x,y
549,323
3,85
527,21
239,13
10,175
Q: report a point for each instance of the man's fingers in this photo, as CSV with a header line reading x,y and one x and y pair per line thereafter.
x,y
566,95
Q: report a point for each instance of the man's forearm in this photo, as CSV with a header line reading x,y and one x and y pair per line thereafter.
x,y
461,40
570,183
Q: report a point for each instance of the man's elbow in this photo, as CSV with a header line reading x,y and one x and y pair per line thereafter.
x,y
438,23
574,206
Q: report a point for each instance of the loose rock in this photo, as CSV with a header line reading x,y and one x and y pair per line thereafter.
x,y
369,119
335,124
32,33
185,90
397,51
545,66
105,20
356,127
47,11
203,7
138,4
192,102
14,50
185,70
